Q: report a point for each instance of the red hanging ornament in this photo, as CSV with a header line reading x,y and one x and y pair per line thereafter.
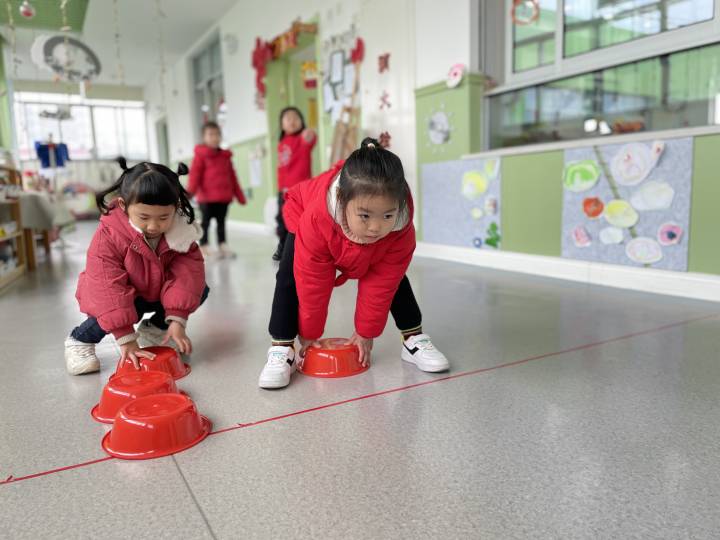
x,y
383,62
27,10
261,55
358,53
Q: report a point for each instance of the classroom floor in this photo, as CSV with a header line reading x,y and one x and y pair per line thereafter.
x,y
570,412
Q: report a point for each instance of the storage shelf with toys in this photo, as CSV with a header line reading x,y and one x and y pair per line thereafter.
x,y
12,238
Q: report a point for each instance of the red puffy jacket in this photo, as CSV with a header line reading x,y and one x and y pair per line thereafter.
x,y
212,176
121,266
322,248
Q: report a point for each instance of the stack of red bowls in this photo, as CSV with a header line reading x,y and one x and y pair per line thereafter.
x,y
150,417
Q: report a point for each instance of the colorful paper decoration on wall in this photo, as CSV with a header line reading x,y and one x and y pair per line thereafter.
x,y
634,198
385,100
524,12
383,62
455,75
439,128
461,203
309,74
384,139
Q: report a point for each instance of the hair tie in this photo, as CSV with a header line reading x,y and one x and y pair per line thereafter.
x,y
371,145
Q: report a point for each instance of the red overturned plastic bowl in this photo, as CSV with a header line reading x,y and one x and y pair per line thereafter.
x,y
122,389
334,358
156,426
166,359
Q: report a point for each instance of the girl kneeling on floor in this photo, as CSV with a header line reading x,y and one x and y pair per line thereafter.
x,y
355,218
143,258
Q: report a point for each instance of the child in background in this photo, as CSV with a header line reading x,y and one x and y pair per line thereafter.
x,y
143,258
355,218
213,183
294,162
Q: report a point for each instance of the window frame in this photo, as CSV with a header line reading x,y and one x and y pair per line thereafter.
x,y
694,35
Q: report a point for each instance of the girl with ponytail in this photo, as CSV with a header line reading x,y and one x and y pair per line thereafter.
x,y
351,222
143,259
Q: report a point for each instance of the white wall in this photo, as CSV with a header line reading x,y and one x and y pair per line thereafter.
x,y
445,34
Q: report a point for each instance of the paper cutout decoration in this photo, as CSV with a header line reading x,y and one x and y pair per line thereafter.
x,y
384,139
669,234
492,167
477,213
358,53
455,75
581,237
619,213
653,195
491,206
580,176
593,207
383,62
493,235
644,250
611,235
439,128
385,100
474,184
633,163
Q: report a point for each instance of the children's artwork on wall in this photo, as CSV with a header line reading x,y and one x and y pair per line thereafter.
x,y
628,203
383,62
461,203
255,159
439,128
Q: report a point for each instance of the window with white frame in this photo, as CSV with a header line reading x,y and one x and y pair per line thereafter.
x,y
208,83
91,128
579,68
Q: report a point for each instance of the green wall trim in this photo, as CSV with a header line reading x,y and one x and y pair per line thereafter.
x,y
469,79
532,203
6,133
703,243
256,197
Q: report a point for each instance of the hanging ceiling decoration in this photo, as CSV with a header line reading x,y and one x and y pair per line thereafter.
x,y
118,57
27,10
67,57
13,37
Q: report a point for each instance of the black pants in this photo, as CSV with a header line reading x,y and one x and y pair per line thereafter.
x,y
217,211
284,317
91,332
281,230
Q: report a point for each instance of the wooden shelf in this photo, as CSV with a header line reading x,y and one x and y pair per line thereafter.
x,y
11,236
7,279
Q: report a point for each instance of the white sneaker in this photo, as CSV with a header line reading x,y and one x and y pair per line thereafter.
x,y
150,335
420,351
80,357
280,366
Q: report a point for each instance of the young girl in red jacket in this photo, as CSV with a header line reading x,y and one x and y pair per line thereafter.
x,y
355,218
294,162
214,184
142,259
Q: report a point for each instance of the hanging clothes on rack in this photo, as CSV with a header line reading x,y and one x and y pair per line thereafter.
x,y
46,151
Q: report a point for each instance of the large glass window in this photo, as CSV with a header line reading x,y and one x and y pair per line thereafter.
x,y
534,41
677,90
594,24
208,81
90,128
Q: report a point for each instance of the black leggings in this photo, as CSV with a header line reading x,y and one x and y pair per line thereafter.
x,y
284,317
217,211
281,230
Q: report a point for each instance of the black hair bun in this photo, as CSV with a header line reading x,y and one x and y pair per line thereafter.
x,y
369,142
122,162
182,169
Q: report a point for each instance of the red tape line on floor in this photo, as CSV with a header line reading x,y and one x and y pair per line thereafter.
x,y
12,479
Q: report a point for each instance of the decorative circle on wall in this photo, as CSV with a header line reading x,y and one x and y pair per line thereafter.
x,y
70,58
525,12
439,128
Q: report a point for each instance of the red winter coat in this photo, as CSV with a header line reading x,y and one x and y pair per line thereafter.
x,y
294,160
212,176
121,266
322,249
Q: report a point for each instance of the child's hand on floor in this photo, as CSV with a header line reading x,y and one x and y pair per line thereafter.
x,y
305,343
364,345
133,351
176,332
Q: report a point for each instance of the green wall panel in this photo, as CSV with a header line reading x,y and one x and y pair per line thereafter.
x,y
532,203
704,246
256,196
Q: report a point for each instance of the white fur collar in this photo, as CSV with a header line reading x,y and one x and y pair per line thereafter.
x,y
181,235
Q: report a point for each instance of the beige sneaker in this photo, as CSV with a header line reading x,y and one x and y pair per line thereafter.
x,y
80,357
226,252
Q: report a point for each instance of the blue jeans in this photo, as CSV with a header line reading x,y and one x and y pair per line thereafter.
x,y
90,331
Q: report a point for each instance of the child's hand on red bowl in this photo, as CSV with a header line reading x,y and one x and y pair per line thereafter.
x,y
364,345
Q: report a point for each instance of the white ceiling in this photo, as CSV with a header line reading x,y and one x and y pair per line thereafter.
x,y
185,22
